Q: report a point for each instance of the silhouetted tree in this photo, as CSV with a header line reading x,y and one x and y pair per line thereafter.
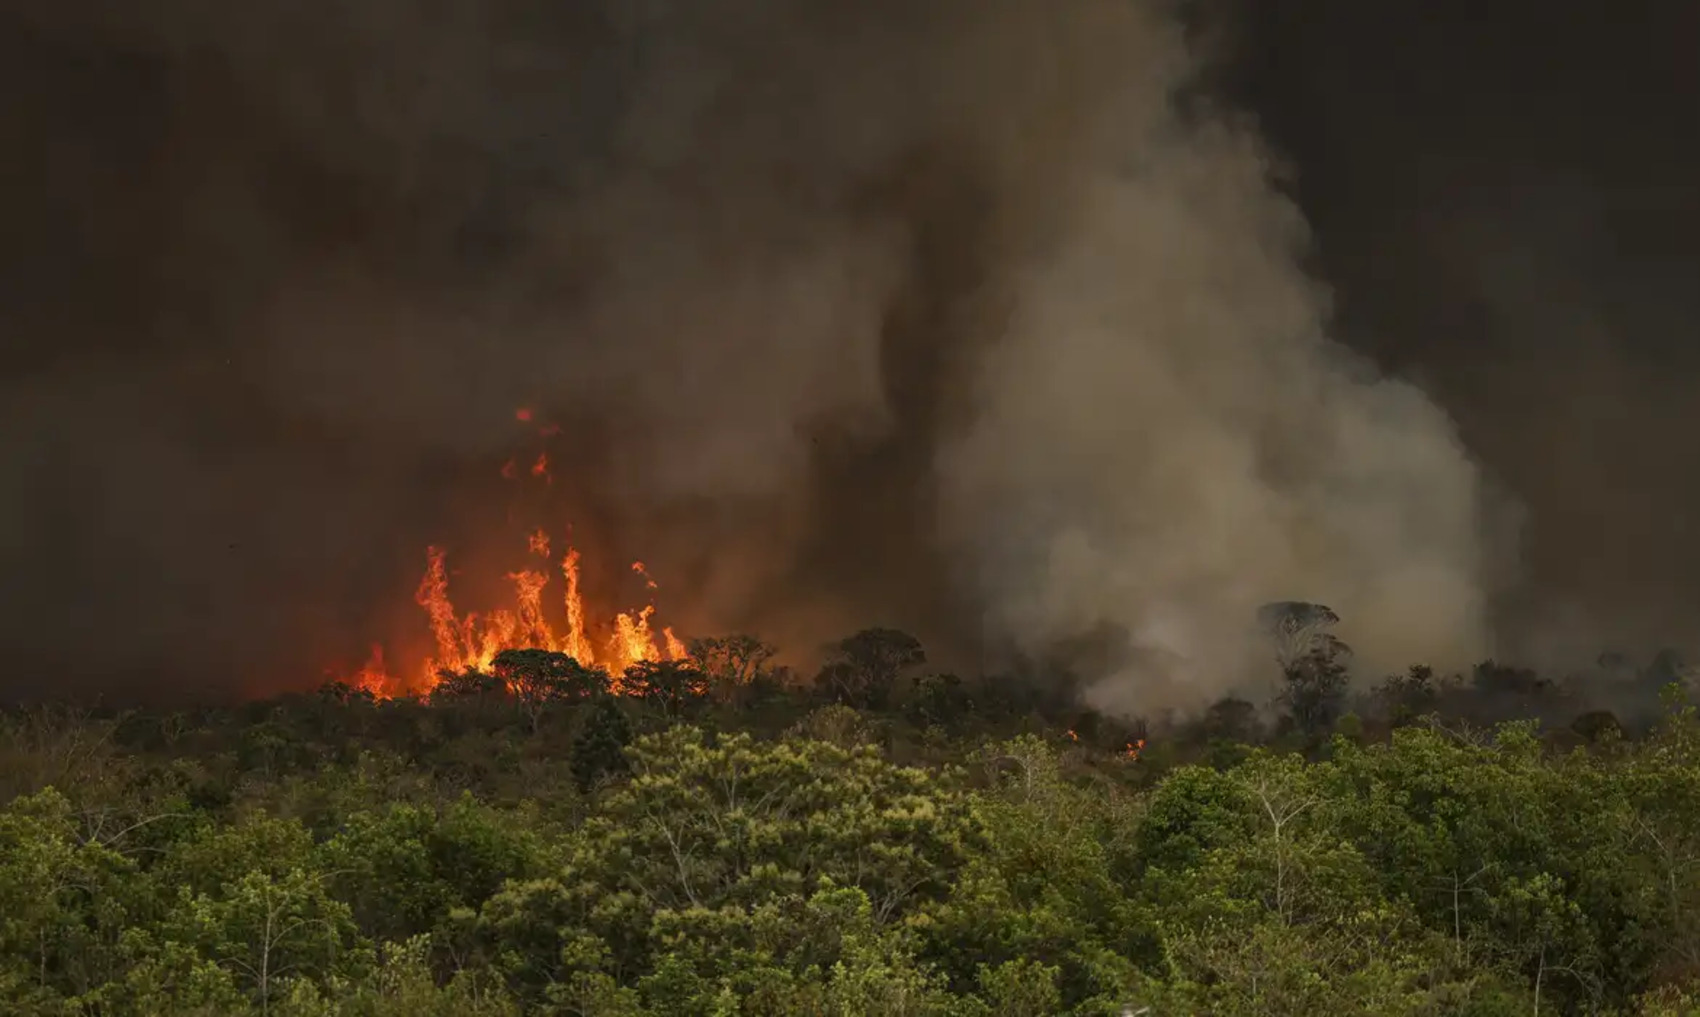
x,y
468,684
862,669
1500,692
1313,662
673,686
599,750
732,664
343,694
537,678
1296,626
940,699
1231,719
1597,725
1405,697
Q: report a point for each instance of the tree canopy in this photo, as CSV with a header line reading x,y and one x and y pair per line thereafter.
x,y
546,839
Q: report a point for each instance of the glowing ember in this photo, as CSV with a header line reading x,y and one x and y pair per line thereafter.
x,y
522,414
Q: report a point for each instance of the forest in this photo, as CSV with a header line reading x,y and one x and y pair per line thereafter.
x,y
719,835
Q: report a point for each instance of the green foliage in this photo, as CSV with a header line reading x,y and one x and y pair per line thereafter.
x,y
513,848
599,751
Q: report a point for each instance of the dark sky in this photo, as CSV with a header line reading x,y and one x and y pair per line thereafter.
x,y
1507,200
220,242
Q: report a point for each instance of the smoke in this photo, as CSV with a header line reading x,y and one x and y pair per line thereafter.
x,y
1164,438
1511,216
965,316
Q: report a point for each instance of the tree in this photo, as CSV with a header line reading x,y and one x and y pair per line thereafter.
x,y
1313,662
705,824
939,699
1597,726
469,684
265,930
835,724
599,751
673,686
537,678
861,670
1231,719
1297,627
1405,697
732,664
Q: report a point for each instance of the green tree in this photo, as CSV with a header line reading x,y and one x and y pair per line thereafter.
x,y
266,930
599,749
63,905
405,869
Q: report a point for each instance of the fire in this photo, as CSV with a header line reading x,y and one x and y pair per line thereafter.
x,y
472,641
1072,736
1134,748
374,677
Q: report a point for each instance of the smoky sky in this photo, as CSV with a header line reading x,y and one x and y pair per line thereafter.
x,y
1505,203
1001,322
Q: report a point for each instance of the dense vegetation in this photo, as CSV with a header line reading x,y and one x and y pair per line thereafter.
x,y
725,839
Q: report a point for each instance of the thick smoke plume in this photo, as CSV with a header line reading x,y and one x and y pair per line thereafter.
x,y
972,317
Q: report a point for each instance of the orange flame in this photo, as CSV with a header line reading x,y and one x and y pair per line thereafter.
x,y
672,647
374,677
1072,736
1134,748
472,641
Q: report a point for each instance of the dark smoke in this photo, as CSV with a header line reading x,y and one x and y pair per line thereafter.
x,y
969,317
1507,198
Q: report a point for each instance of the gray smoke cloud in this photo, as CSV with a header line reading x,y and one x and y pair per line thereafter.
x,y
1165,438
963,316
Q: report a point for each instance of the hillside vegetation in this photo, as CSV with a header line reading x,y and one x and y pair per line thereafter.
x,y
713,837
